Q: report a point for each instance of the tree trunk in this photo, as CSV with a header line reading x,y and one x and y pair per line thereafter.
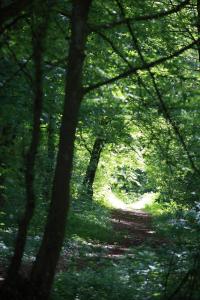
x,y
51,158
13,270
45,265
198,26
7,138
92,166
51,142
2,180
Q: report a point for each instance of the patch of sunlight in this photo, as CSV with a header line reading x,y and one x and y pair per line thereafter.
x,y
145,199
115,202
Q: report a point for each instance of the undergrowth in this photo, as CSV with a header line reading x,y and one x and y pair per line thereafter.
x,y
169,271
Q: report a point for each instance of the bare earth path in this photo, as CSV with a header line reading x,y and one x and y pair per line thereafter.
x,y
134,224
137,229
134,227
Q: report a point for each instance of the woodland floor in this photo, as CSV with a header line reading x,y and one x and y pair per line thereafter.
x,y
134,227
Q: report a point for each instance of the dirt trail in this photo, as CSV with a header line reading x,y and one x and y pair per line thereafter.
x,y
133,225
136,227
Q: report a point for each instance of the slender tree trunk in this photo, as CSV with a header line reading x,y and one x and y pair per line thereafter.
x,y
13,270
51,142
92,166
51,158
2,179
198,26
6,141
44,267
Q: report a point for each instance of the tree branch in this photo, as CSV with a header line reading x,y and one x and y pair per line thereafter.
x,y
20,69
123,58
12,23
123,21
155,16
143,67
26,73
13,10
165,110
84,142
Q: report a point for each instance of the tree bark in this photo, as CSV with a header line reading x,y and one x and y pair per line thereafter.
x,y
7,140
12,278
51,157
198,26
92,166
45,265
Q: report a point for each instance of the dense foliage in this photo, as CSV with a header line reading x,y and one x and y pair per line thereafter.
x,y
98,99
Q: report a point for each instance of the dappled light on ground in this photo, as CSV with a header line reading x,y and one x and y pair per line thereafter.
x,y
135,229
132,223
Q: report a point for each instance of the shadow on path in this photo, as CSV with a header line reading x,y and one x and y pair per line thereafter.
x,y
136,228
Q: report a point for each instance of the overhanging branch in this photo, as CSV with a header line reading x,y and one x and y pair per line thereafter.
x,y
143,67
123,21
13,10
165,110
154,16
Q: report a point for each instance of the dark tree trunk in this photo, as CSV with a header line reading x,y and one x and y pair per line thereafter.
x,y
51,141
92,166
198,25
45,265
51,157
7,141
13,270
2,181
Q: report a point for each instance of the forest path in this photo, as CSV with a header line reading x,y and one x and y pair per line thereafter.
x,y
133,227
133,223
136,229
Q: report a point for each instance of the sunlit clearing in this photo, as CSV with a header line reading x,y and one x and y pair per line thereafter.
x,y
144,200
114,201
117,203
